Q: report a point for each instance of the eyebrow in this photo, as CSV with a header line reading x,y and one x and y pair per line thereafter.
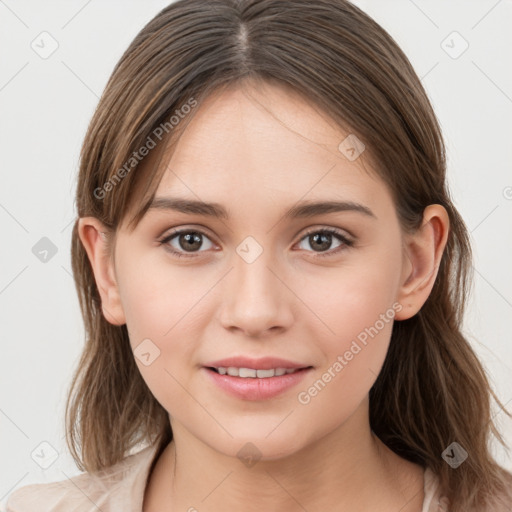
x,y
302,209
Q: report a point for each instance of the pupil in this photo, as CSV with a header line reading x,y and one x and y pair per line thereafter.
x,y
190,240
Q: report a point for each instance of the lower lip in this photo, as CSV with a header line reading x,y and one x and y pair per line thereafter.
x,y
256,388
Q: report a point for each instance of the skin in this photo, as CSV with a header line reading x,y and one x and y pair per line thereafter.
x,y
288,303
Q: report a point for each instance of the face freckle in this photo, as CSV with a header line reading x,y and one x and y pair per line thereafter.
x,y
257,296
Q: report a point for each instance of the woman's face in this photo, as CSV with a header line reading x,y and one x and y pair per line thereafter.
x,y
254,283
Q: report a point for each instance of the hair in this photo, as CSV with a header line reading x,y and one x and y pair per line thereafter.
x,y
432,389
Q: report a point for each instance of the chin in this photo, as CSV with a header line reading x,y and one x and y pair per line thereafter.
x,y
250,449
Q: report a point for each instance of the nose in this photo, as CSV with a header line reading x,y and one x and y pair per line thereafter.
x,y
256,299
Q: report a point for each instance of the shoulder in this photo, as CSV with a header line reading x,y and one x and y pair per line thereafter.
x,y
121,485
434,500
502,503
54,496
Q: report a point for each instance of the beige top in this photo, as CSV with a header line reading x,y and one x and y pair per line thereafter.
x,y
121,487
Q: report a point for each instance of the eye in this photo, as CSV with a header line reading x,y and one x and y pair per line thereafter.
x,y
322,238
187,240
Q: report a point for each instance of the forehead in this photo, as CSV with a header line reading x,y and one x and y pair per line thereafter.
x,y
259,149
265,141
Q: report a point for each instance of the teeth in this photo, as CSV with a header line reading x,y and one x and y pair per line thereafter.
x,y
251,373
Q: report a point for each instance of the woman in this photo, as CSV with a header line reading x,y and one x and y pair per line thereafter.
x,y
272,276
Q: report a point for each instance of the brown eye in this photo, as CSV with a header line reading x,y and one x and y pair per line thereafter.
x,y
185,241
321,241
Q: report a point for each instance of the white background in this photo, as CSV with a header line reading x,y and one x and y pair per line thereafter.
x,y
46,105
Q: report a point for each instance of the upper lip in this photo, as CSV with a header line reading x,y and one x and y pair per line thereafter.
x,y
263,363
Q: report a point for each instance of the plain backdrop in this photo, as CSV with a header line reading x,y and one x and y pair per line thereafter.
x,y
459,50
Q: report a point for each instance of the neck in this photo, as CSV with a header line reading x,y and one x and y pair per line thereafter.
x,y
347,469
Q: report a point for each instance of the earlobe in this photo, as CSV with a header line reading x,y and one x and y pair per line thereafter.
x,y
423,251
93,235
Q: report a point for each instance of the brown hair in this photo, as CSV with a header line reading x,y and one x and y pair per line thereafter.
x,y
432,389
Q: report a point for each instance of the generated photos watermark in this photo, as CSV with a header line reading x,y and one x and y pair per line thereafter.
x,y
304,397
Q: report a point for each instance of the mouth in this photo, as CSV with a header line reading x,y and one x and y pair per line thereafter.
x,y
255,384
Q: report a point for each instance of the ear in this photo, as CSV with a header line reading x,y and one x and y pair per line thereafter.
x,y
422,256
94,234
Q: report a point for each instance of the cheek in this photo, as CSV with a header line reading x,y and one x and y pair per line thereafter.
x,y
352,357
163,317
159,298
353,298
357,307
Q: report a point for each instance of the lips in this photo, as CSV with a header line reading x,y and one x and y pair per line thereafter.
x,y
256,389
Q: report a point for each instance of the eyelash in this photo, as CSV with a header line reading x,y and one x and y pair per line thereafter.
x,y
345,241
